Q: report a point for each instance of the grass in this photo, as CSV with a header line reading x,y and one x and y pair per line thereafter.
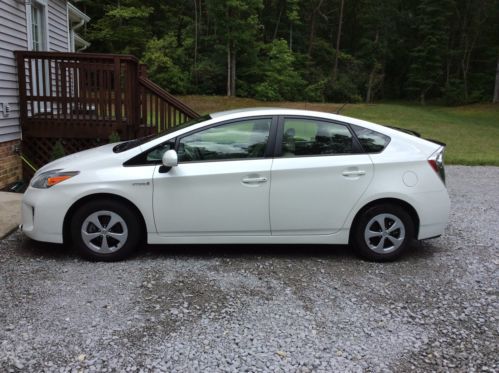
x,y
471,132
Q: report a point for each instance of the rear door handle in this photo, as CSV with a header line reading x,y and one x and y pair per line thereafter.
x,y
254,180
354,173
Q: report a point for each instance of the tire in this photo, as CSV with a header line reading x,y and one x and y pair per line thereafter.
x,y
105,230
383,233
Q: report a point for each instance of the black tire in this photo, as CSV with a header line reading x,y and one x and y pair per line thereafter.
x,y
385,246
125,221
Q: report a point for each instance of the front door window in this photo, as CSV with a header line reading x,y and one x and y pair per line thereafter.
x,y
238,140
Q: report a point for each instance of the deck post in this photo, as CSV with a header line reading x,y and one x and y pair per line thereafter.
x,y
21,72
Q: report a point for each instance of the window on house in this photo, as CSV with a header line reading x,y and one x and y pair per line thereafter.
x,y
38,27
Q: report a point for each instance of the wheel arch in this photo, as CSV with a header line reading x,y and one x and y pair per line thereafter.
x,y
383,201
66,234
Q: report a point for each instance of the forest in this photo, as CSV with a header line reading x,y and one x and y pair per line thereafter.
x,y
439,51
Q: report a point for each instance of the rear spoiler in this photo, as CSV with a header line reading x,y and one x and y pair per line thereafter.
x,y
437,142
417,134
410,132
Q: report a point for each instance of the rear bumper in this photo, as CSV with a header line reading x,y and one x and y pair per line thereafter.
x,y
433,209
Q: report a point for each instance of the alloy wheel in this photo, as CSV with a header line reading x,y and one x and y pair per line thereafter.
x,y
384,233
104,232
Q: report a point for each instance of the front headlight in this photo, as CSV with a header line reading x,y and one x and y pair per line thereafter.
x,y
50,178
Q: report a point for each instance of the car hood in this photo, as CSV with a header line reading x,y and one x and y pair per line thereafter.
x,y
101,156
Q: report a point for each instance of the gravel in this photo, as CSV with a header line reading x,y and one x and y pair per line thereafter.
x,y
262,308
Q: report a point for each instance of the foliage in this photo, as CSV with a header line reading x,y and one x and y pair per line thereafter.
x,y
122,28
114,137
57,151
442,50
163,58
281,81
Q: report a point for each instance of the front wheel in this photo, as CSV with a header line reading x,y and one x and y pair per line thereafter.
x,y
383,232
105,230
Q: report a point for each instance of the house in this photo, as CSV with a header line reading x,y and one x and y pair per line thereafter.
x,y
31,25
53,94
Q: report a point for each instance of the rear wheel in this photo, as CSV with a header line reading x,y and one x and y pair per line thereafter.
x,y
105,230
383,232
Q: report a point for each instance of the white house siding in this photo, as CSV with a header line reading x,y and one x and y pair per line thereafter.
x,y
12,37
58,30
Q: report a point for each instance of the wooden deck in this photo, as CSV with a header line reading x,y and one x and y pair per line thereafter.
x,y
80,99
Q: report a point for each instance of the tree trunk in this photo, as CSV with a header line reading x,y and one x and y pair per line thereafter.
x,y
233,72
231,69
338,40
195,44
276,29
370,85
370,81
313,19
496,89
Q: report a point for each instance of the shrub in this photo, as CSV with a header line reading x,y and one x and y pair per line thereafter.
x,y
114,137
57,151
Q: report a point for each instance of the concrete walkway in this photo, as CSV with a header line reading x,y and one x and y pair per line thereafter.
x,y
10,212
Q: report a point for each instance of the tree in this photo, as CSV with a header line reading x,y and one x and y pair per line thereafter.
x,y
496,87
338,40
281,80
122,29
164,58
378,27
427,57
239,22
343,50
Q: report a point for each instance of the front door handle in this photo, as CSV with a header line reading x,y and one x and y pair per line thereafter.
x,y
354,173
254,180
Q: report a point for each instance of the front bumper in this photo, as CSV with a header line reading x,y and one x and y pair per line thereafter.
x,y
43,212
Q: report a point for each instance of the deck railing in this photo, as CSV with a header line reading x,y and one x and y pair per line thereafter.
x,y
80,99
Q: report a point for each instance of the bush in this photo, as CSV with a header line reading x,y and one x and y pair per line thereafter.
x,y
266,92
343,90
57,151
453,94
114,137
315,92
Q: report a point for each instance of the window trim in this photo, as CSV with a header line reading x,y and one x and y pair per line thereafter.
x,y
138,160
356,146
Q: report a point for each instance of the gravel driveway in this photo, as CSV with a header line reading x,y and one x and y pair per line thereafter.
x,y
262,308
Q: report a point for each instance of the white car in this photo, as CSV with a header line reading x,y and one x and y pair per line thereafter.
x,y
254,176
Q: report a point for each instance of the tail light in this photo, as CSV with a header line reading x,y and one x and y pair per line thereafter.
x,y
436,162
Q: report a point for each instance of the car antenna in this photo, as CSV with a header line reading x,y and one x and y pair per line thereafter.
x,y
341,108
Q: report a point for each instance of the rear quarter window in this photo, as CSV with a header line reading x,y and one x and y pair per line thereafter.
x,y
371,141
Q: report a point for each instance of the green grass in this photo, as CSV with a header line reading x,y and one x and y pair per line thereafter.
x,y
471,132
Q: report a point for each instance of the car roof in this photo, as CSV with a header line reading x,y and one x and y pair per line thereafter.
x,y
262,111
266,111
257,111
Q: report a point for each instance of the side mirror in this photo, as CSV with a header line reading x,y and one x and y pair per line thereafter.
x,y
170,159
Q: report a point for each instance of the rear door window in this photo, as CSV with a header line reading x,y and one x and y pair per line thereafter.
x,y
309,137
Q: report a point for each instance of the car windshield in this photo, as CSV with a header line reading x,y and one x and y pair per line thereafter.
x,y
127,145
